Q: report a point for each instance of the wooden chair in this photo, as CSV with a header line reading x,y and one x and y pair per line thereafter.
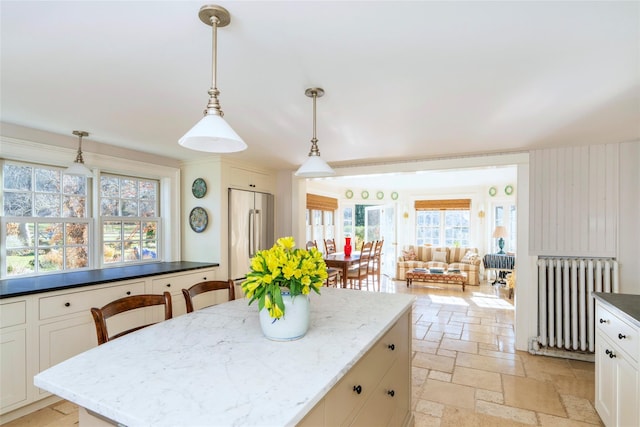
x,y
100,315
329,246
360,273
208,286
333,274
376,262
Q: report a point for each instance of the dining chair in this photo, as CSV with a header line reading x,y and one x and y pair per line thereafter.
x,y
208,286
360,273
376,263
122,305
329,246
333,274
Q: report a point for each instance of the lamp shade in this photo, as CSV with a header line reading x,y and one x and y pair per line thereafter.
x,y
78,168
500,232
214,135
314,167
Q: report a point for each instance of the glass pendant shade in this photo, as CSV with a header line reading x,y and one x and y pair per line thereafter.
x,y
212,134
314,167
78,169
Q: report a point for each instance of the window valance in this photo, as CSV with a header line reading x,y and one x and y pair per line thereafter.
x,y
451,204
321,203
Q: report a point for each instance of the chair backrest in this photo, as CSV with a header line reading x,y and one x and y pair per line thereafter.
x,y
366,253
367,247
207,286
329,246
100,315
377,252
312,244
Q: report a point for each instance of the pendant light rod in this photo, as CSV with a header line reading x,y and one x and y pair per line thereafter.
x,y
80,134
314,93
216,17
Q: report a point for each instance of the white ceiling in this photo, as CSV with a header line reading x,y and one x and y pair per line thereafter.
x,y
403,80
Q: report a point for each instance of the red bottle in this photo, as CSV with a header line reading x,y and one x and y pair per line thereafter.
x,y
347,246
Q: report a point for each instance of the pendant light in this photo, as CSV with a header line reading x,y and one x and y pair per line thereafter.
x,y
212,133
78,167
314,166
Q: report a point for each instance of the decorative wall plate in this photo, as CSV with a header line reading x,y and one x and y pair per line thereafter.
x,y
199,188
348,194
380,195
394,195
364,194
198,219
493,191
508,190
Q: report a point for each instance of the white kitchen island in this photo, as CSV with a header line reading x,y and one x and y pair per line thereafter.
x,y
213,367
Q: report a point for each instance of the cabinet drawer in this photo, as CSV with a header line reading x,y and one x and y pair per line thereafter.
x,y
83,301
343,401
384,401
618,331
13,313
174,283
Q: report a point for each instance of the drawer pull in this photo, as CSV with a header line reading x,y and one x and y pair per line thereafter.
x,y
357,389
128,292
204,278
621,337
67,304
610,353
604,321
391,347
168,285
391,393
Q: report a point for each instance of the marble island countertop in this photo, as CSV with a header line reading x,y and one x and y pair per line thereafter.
x,y
214,367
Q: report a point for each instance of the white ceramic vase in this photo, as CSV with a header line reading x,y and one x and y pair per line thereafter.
x,y
293,325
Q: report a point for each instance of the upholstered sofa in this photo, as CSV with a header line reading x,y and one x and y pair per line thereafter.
x,y
464,259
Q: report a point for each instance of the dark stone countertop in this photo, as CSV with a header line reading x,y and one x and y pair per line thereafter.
x,y
55,282
627,303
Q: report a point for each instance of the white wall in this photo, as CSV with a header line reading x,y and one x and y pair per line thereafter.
x,y
629,212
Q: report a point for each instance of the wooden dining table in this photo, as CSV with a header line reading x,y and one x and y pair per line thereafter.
x,y
339,260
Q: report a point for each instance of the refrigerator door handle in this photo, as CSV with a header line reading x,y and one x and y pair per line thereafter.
x,y
257,223
251,230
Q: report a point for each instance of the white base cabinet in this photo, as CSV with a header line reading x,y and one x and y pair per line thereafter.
x,y
617,373
41,330
376,391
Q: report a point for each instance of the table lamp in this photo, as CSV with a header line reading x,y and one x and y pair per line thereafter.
x,y
500,233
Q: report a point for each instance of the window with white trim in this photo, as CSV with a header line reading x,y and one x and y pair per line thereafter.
x,y
321,212
443,222
129,219
45,223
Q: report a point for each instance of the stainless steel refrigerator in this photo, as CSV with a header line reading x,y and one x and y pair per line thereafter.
x,y
251,228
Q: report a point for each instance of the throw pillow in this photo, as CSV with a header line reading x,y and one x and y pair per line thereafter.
x,y
440,256
469,258
409,255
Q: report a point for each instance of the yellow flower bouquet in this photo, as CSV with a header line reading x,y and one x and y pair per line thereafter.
x,y
282,266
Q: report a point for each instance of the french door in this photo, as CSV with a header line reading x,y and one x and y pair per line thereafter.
x,y
380,224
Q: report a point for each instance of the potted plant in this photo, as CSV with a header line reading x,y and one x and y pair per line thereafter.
x,y
281,279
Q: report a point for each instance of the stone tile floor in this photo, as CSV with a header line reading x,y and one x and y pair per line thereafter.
x,y
466,371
